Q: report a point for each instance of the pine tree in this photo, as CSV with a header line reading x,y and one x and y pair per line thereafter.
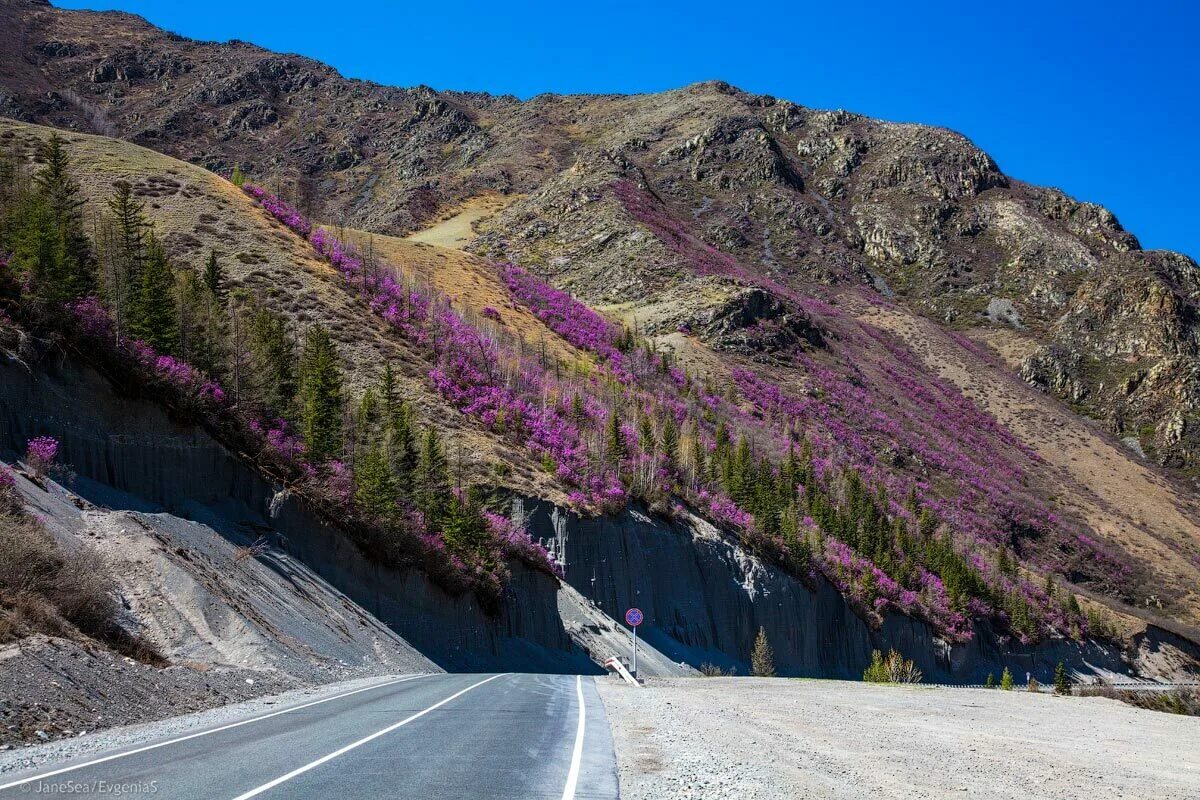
x,y
153,315
389,397
432,482
74,272
762,658
463,528
699,461
1062,684
271,380
670,443
214,278
615,448
1006,680
375,486
990,683
400,442
238,178
203,331
126,252
321,395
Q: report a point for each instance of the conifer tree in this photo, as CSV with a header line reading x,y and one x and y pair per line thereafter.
x,y
699,462
73,275
464,530
154,318
375,486
126,252
389,397
990,683
615,448
669,446
203,330
400,441
321,395
238,178
1006,680
271,380
762,658
432,482
214,278
1062,683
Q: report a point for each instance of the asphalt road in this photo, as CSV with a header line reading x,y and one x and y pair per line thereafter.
x,y
432,737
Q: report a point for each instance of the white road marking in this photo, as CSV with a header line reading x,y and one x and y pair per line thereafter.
x,y
577,754
343,750
135,751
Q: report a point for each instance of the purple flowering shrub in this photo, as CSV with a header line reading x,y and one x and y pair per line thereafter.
x,y
40,453
969,479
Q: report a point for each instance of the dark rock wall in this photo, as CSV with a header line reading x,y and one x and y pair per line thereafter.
x,y
705,600
132,446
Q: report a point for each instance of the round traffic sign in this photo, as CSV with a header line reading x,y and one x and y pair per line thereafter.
x,y
634,617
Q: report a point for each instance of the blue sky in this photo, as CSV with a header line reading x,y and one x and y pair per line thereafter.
x,y
1101,99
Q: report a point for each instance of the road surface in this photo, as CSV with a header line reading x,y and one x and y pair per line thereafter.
x,y
432,737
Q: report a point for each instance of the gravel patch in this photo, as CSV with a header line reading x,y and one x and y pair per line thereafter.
x,y
131,736
776,738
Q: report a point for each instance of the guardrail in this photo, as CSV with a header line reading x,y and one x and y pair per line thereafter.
x,y
618,666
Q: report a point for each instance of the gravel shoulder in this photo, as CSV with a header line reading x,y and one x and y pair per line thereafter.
x,y
112,739
762,738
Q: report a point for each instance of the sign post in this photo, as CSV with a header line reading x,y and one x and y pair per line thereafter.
x,y
634,617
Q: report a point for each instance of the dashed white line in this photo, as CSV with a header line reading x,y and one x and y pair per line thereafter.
x,y
577,754
343,750
157,745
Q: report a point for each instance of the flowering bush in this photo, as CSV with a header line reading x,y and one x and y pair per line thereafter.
x,y
40,453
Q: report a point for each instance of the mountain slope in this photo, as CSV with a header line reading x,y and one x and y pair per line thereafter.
x,y
740,234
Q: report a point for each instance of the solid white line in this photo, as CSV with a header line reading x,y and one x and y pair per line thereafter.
x,y
93,762
341,751
577,754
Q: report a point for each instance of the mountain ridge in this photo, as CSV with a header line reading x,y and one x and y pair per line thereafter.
x,y
739,232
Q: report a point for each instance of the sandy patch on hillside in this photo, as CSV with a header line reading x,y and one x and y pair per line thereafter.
x,y
458,228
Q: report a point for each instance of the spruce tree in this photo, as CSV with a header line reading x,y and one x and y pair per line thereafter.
x,y
1062,683
203,328
271,380
669,446
615,448
126,252
699,460
375,486
400,442
238,178
1006,680
214,278
74,272
389,396
432,495
320,395
463,527
762,658
990,683
153,314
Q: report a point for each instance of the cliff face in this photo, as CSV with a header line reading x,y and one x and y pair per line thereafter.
x,y
704,598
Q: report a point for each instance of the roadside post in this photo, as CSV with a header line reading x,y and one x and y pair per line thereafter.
x,y
634,617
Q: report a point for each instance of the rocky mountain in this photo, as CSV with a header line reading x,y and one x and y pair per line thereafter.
x,y
996,354
796,195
